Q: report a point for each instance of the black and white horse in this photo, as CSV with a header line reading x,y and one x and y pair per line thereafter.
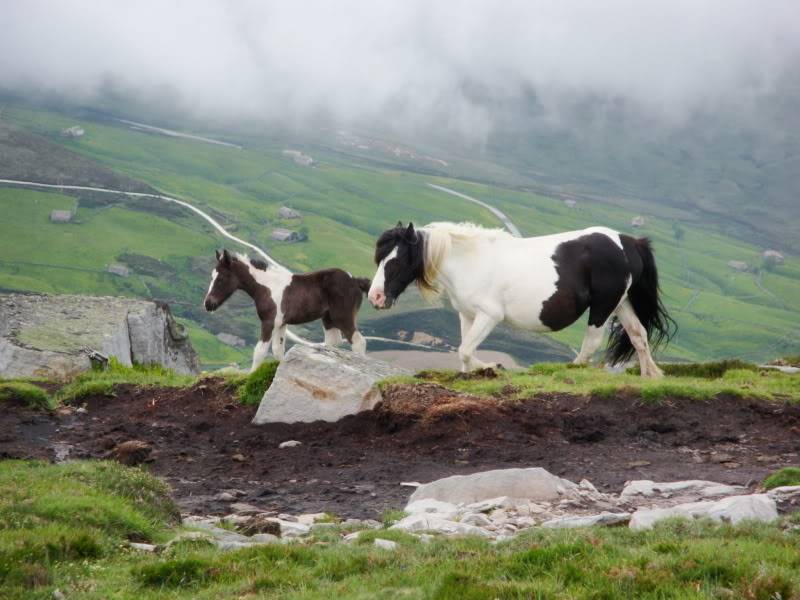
x,y
283,298
540,284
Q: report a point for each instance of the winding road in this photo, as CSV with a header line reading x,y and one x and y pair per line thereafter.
x,y
495,211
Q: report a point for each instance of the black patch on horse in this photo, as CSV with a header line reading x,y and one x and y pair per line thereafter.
x,y
592,272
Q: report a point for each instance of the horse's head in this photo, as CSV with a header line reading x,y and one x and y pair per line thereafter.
x,y
224,281
400,260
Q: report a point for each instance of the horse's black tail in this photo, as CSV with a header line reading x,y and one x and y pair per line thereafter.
x,y
644,295
363,283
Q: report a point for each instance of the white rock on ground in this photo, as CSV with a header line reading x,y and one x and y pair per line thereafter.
x,y
533,484
691,487
318,383
604,518
445,510
759,507
430,522
289,444
290,529
311,518
385,544
786,491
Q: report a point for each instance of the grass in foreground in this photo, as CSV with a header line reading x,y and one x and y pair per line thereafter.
x,y
64,527
700,381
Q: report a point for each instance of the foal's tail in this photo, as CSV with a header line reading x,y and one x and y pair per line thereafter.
x,y
363,283
644,295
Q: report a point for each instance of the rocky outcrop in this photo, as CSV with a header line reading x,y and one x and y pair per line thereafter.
x,y
319,383
52,336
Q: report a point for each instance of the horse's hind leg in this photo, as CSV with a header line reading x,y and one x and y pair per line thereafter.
x,y
333,335
638,336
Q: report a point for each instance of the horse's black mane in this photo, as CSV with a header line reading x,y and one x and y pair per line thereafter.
x,y
258,264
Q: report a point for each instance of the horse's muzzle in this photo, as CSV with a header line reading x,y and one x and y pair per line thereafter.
x,y
210,306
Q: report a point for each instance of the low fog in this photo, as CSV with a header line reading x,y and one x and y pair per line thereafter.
x,y
410,64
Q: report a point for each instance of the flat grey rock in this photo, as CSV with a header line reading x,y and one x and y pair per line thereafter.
x,y
434,523
693,488
533,483
570,522
315,383
757,507
46,336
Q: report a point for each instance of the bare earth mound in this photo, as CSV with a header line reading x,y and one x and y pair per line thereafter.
x,y
203,443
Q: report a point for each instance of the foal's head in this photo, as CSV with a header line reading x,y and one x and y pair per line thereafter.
x,y
399,254
230,274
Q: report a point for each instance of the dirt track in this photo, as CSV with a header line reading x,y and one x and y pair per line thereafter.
x,y
354,467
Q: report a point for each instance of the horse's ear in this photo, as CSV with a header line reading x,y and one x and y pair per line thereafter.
x,y
399,225
217,254
226,258
410,234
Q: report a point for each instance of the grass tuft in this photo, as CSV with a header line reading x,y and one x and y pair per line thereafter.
x,y
102,382
177,572
706,370
782,477
251,389
24,393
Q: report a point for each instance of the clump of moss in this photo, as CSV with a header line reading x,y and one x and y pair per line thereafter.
x,y
176,572
706,370
252,389
785,476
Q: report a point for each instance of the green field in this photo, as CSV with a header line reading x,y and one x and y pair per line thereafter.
x,y
346,201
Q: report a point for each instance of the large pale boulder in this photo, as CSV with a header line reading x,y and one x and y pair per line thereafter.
x,y
50,336
758,507
533,483
315,383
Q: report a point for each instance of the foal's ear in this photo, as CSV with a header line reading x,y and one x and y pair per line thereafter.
x,y
226,258
399,225
411,235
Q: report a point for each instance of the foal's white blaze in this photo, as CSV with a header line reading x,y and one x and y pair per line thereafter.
x,y
214,274
377,294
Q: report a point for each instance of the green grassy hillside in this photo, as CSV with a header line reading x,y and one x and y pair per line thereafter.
x,y
346,200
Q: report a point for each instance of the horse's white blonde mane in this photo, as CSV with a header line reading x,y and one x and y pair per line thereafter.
x,y
439,238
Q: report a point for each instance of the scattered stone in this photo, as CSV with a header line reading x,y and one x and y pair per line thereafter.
x,y
243,508
477,519
385,544
311,518
414,484
265,538
316,383
445,510
693,488
493,503
81,410
721,457
238,457
533,483
758,507
431,522
351,537
225,497
259,524
604,518
290,529
58,595
132,452
289,444
142,547
639,463
587,485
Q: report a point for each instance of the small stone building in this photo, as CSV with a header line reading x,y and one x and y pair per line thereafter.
x,y
61,216
737,265
773,256
286,235
118,269
75,131
284,212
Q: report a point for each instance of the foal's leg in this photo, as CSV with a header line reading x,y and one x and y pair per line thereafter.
x,y
260,353
333,335
481,327
278,342
638,335
591,342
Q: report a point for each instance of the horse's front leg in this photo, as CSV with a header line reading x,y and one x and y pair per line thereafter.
x,y
481,327
278,341
260,353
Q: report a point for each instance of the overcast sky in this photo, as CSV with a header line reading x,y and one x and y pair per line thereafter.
x,y
408,62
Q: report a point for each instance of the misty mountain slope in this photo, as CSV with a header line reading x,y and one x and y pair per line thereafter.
x,y
346,201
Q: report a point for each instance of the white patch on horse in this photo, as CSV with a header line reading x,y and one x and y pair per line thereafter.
x,y
380,275
276,281
214,275
259,354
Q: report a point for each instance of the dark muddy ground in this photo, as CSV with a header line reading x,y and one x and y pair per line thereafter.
x,y
203,443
